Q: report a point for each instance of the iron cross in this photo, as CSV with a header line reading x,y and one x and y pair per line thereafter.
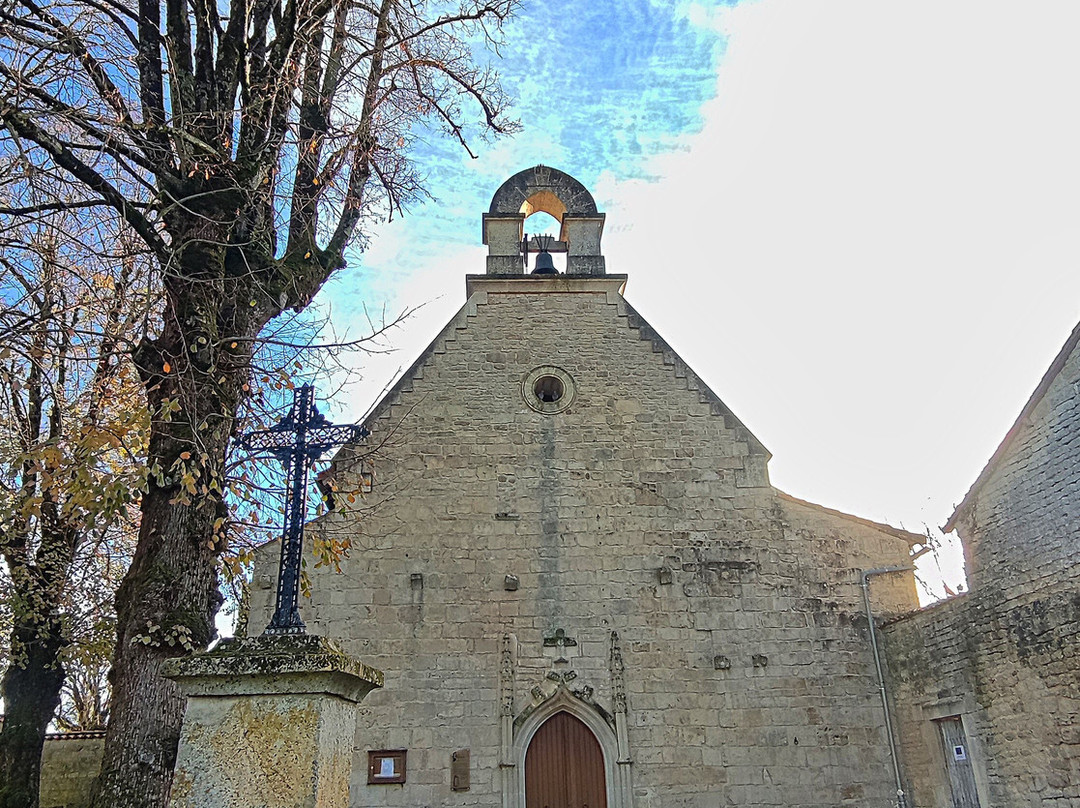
x,y
299,439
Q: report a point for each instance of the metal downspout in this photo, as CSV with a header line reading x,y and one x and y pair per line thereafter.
x,y
901,802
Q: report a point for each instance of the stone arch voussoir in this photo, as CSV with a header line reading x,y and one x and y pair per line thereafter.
x,y
542,189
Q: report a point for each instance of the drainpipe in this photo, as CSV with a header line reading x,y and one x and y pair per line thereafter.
x,y
901,802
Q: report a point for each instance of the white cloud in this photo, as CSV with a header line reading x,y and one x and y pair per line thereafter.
x,y
874,238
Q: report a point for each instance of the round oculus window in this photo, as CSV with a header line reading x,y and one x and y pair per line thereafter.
x,y
548,389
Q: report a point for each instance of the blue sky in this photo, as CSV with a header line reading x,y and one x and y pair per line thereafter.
x,y
857,221
602,89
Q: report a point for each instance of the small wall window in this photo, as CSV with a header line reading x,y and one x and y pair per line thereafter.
x,y
549,389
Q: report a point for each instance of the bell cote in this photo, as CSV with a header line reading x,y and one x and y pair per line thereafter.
x,y
547,190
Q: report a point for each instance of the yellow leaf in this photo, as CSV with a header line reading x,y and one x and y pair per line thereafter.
x,y
167,367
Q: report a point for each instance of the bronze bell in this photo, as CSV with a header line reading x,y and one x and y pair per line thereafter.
x,y
544,265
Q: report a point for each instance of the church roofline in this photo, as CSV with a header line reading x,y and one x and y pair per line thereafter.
x,y
1025,414
478,286
660,345
406,378
900,533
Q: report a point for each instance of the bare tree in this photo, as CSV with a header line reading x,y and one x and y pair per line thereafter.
x,y
73,431
245,143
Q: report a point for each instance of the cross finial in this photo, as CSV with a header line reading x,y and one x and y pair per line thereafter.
x,y
297,440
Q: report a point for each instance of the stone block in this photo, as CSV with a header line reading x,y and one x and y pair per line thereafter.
x,y
269,723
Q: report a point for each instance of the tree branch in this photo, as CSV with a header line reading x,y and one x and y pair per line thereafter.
x,y
48,207
24,127
108,141
151,82
360,171
106,88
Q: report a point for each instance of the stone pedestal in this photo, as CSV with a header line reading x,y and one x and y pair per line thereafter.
x,y
269,724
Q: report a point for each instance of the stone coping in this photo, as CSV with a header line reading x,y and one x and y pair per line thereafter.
x,y
531,284
76,735
274,665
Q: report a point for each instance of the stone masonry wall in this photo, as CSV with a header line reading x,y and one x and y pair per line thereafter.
x,y
714,622
1004,657
1023,530
69,764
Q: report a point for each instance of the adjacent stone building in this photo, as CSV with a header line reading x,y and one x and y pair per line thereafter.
x,y
986,686
568,561
69,763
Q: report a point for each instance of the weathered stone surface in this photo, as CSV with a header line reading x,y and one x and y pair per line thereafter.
x,y
302,663
269,724
69,764
644,471
527,185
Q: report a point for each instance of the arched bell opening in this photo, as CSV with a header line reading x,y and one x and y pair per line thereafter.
x,y
543,231
548,191
544,201
541,223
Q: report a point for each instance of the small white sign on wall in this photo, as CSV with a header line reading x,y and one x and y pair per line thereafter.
x,y
959,753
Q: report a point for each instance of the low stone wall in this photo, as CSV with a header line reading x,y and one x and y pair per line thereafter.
x,y
1009,670
69,764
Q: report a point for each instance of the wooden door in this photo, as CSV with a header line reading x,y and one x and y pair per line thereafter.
x,y
958,763
564,766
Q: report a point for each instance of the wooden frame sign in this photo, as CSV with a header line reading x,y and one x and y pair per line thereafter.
x,y
386,766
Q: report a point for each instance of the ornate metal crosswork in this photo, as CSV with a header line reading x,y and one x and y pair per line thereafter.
x,y
298,440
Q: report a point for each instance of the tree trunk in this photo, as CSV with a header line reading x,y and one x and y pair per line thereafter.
x,y
165,608
166,605
32,694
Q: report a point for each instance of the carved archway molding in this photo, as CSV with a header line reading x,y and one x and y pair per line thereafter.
x,y
529,721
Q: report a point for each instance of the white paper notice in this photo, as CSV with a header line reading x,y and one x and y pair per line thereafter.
x,y
386,768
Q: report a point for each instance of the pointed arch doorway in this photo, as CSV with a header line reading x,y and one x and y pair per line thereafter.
x,y
564,766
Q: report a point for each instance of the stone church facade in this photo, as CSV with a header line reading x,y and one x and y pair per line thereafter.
x,y
569,563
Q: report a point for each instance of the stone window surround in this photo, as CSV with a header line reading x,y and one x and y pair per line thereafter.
x,y
528,391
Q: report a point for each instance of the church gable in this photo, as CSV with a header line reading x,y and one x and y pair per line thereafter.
x,y
1019,517
511,325
627,404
